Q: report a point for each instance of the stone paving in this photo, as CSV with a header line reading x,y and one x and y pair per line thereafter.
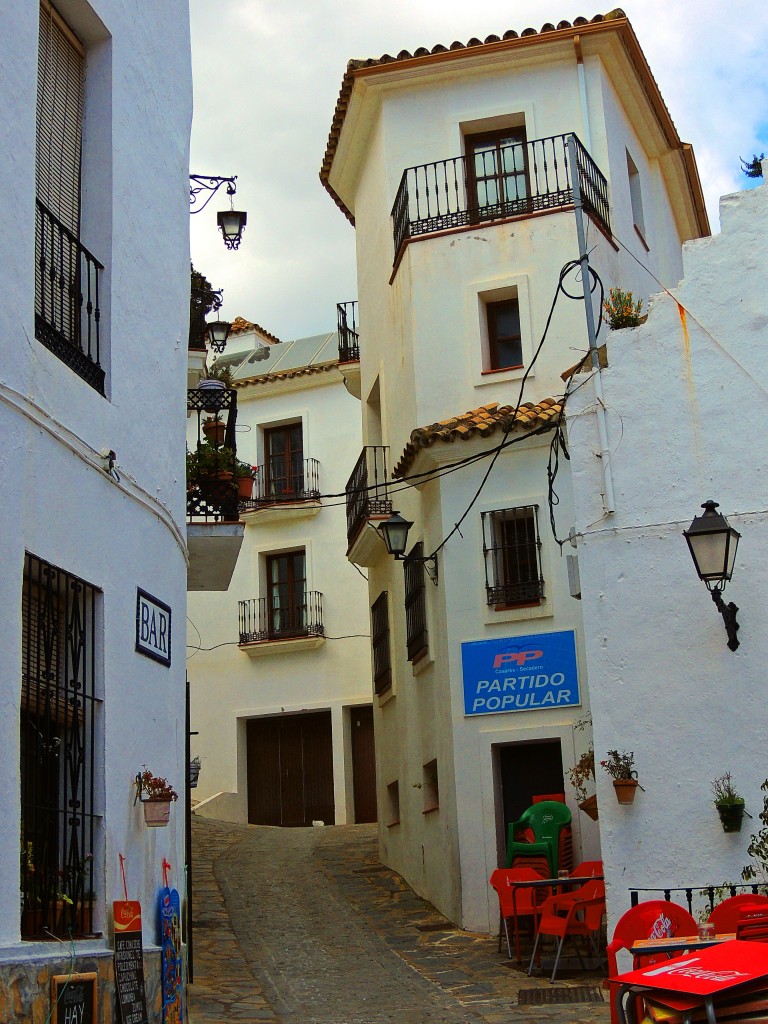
x,y
305,926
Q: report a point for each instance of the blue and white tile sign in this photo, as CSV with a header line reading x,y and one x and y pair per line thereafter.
x,y
520,673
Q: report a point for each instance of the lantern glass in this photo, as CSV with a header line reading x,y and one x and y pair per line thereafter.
x,y
218,332
231,223
395,534
713,544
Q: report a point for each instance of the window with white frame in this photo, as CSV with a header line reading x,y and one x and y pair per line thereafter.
x,y
512,551
635,196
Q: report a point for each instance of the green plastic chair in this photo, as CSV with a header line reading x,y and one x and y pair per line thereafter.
x,y
546,820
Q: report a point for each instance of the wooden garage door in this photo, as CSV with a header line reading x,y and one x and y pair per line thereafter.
x,y
363,764
290,770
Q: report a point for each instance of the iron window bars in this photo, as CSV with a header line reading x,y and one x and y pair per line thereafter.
x,y
512,555
58,751
417,639
382,665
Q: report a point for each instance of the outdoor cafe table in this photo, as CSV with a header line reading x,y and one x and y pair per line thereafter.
x,y
571,882
700,979
677,944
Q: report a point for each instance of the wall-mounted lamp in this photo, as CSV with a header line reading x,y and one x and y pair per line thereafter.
x,y
713,543
231,222
217,332
394,533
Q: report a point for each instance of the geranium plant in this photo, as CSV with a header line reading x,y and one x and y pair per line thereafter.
x,y
621,310
620,764
155,787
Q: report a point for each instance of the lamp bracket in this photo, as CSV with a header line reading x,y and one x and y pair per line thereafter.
x,y
728,611
207,183
428,561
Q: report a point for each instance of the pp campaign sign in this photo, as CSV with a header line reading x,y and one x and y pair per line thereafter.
x,y
520,673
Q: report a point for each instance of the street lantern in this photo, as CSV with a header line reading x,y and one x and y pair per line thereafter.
x,y
218,332
231,224
394,533
713,544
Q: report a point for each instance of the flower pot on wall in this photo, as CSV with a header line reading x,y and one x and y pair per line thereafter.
x,y
215,430
625,790
731,816
156,812
589,806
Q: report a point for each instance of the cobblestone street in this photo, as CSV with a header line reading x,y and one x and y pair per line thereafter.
x,y
304,926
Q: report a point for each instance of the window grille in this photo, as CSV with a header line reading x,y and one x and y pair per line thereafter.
x,y
382,666
512,551
415,604
57,726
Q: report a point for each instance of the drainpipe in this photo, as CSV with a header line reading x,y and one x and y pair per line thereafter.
x,y
605,456
582,91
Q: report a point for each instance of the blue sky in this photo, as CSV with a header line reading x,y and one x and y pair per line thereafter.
x,y
266,78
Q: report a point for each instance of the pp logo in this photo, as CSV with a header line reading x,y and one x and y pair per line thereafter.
x,y
518,658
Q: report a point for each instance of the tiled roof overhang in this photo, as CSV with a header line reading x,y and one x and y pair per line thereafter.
x,y
301,371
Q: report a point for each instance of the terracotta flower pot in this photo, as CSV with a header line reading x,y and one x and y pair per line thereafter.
x,y
625,790
214,430
589,806
245,488
731,816
156,813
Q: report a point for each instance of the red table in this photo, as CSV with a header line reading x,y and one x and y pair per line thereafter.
x,y
698,980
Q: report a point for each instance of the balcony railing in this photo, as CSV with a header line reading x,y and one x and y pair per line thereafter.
x,y
349,339
211,483
706,892
443,195
284,481
67,311
263,619
367,489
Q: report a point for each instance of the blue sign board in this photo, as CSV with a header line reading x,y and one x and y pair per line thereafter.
x,y
520,673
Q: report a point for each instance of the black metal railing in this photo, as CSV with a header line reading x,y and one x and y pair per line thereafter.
x,y
416,637
512,553
349,339
444,194
261,619
709,893
282,480
367,489
59,752
212,464
67,310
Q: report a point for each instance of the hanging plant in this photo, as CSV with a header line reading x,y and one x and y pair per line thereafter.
x,y
729,804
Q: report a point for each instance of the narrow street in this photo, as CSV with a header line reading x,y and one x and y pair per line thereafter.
x,y
304,926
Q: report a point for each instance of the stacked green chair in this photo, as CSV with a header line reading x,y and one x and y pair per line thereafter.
x,y
549,825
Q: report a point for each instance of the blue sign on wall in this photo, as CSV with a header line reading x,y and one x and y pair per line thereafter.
x,y
520,673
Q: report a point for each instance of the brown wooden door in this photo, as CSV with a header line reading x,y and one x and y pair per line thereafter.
x,y
363,764
290,770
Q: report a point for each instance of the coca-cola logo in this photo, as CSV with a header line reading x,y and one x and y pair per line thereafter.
x,y
662,927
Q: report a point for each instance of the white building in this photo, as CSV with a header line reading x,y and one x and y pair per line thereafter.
x,y
686,394
280,666
455,166
87,277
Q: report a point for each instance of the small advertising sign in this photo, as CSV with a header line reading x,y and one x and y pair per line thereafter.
x,y
129,962
520,673
706,971
74,999
170,929
153,627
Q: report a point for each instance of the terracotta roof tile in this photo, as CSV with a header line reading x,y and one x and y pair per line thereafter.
x,y
422,53
481,422
302,371
240,325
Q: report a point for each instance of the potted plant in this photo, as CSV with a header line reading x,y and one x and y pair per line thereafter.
x,y
620,765
194,771
217,378
214,430
244,477
209,463
620,310
155,794
730,806
582,775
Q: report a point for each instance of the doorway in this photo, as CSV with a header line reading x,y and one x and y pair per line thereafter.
x,y
363,764
527,770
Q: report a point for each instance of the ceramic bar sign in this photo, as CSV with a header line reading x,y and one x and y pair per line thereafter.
x,y
129,962
153,627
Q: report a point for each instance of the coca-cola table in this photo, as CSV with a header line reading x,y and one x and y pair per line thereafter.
x,y
698,980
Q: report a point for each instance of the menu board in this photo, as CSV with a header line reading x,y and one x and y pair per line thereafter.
x,y
129,962
73,999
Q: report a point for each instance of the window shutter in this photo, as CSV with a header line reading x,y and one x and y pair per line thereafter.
x,y
61,64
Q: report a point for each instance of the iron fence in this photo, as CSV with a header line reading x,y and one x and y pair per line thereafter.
x,y
261,618
212,490
707,892
349,338
367,489
282,480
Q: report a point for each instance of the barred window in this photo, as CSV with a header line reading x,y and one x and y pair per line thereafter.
x,y
415,604
382,665
58,707
512,550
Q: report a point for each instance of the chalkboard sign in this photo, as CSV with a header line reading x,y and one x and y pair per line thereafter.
x,y
74,999
129,962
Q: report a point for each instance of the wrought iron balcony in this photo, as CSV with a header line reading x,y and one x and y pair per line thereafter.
x,y
367,489
262,619
211,484
67,312
284,481
456,193
349,339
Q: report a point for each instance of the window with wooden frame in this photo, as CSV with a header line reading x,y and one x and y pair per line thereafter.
x,y
497,174
382,664
417,639
512,551
505,344
58,751
287,595
284,451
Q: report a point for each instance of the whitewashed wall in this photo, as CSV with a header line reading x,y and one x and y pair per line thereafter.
x,y
58,502
687,411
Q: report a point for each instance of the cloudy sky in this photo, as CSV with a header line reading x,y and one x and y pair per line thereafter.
x,y
267,74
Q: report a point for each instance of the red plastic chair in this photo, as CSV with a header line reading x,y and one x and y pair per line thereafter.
x,y
526,902
559,797
587,869
726,915
649,920
581,918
